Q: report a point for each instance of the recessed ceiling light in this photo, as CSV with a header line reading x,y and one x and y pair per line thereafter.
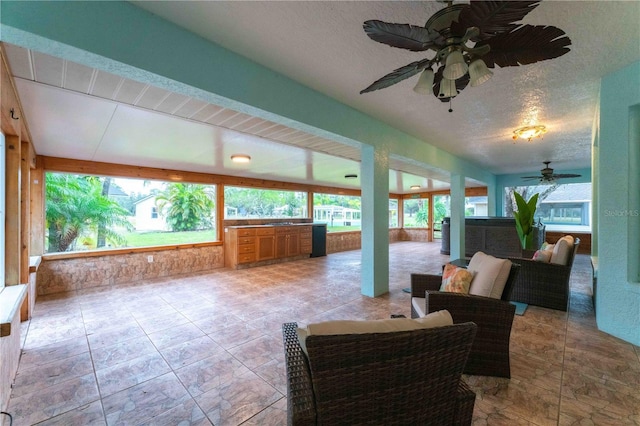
x,y
240,158
415,187
351,176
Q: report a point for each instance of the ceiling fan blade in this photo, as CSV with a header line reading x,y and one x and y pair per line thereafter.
x,y
404,36
565,175
530,177
526,44
494,17
397,75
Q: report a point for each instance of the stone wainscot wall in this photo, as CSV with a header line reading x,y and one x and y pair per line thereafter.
x,y
60,275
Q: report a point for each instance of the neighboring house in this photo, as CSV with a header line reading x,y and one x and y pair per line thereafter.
x,y
568,208
147,216
477,206
336,215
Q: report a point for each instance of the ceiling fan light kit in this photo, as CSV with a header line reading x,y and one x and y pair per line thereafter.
x,y
479,73
448,89
425,82
494,36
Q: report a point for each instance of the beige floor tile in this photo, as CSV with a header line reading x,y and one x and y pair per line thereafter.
x,y
206,348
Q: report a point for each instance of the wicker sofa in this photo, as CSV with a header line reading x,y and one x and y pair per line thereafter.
x,y
494,317
397,378
544,284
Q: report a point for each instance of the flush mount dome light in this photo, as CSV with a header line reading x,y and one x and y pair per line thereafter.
x,y
414,187
240,158
529,132
351,176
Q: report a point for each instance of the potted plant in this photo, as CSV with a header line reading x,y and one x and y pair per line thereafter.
x,y
524,220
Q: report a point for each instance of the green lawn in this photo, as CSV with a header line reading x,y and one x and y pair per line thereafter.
x,y
342,228
143,239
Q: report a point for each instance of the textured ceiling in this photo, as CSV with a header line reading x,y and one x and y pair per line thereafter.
x,y
322,45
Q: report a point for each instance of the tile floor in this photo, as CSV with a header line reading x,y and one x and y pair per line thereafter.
x,y
207,349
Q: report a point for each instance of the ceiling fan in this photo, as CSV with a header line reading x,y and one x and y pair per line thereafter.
x,y
495,36
547,176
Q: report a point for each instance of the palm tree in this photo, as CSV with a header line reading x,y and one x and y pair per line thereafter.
x,y
187,206
76,207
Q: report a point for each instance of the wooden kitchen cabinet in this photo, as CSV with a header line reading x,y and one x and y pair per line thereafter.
x,y
265,243
244,245
305,239
241,246
287,241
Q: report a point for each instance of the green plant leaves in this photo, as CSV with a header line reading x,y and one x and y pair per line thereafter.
x,y
524,218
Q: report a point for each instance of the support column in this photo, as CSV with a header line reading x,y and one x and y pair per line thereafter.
x,y
375,221
491,201
457,231
25,197
12,211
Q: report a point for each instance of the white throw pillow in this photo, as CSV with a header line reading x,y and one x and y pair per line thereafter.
x,y
490,275
562,250
434,319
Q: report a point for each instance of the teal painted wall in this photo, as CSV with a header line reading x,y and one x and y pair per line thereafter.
x,y
618,203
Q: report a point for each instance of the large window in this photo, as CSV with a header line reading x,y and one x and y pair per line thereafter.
x,y
393,213
254,203
565,207
441,209
416,212
339,212
95,213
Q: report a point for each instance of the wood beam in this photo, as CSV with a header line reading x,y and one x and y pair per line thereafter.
x,y
66,165
12,210
25,198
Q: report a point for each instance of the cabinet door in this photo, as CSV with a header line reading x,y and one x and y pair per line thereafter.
x,y
265,247
293,244
281,245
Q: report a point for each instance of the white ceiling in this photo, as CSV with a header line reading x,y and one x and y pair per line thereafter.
x,y
322,45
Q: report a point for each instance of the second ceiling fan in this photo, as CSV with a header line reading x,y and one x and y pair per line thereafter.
x,y
547,176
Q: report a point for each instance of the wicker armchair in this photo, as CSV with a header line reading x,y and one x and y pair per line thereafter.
x,y
544,284
398,378
494,317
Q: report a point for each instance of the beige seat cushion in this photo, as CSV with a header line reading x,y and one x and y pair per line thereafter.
x,y
435,319
490,275
562,250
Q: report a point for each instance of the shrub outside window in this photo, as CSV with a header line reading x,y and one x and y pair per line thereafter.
x,y
393,213
416,212
255,203
85,212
